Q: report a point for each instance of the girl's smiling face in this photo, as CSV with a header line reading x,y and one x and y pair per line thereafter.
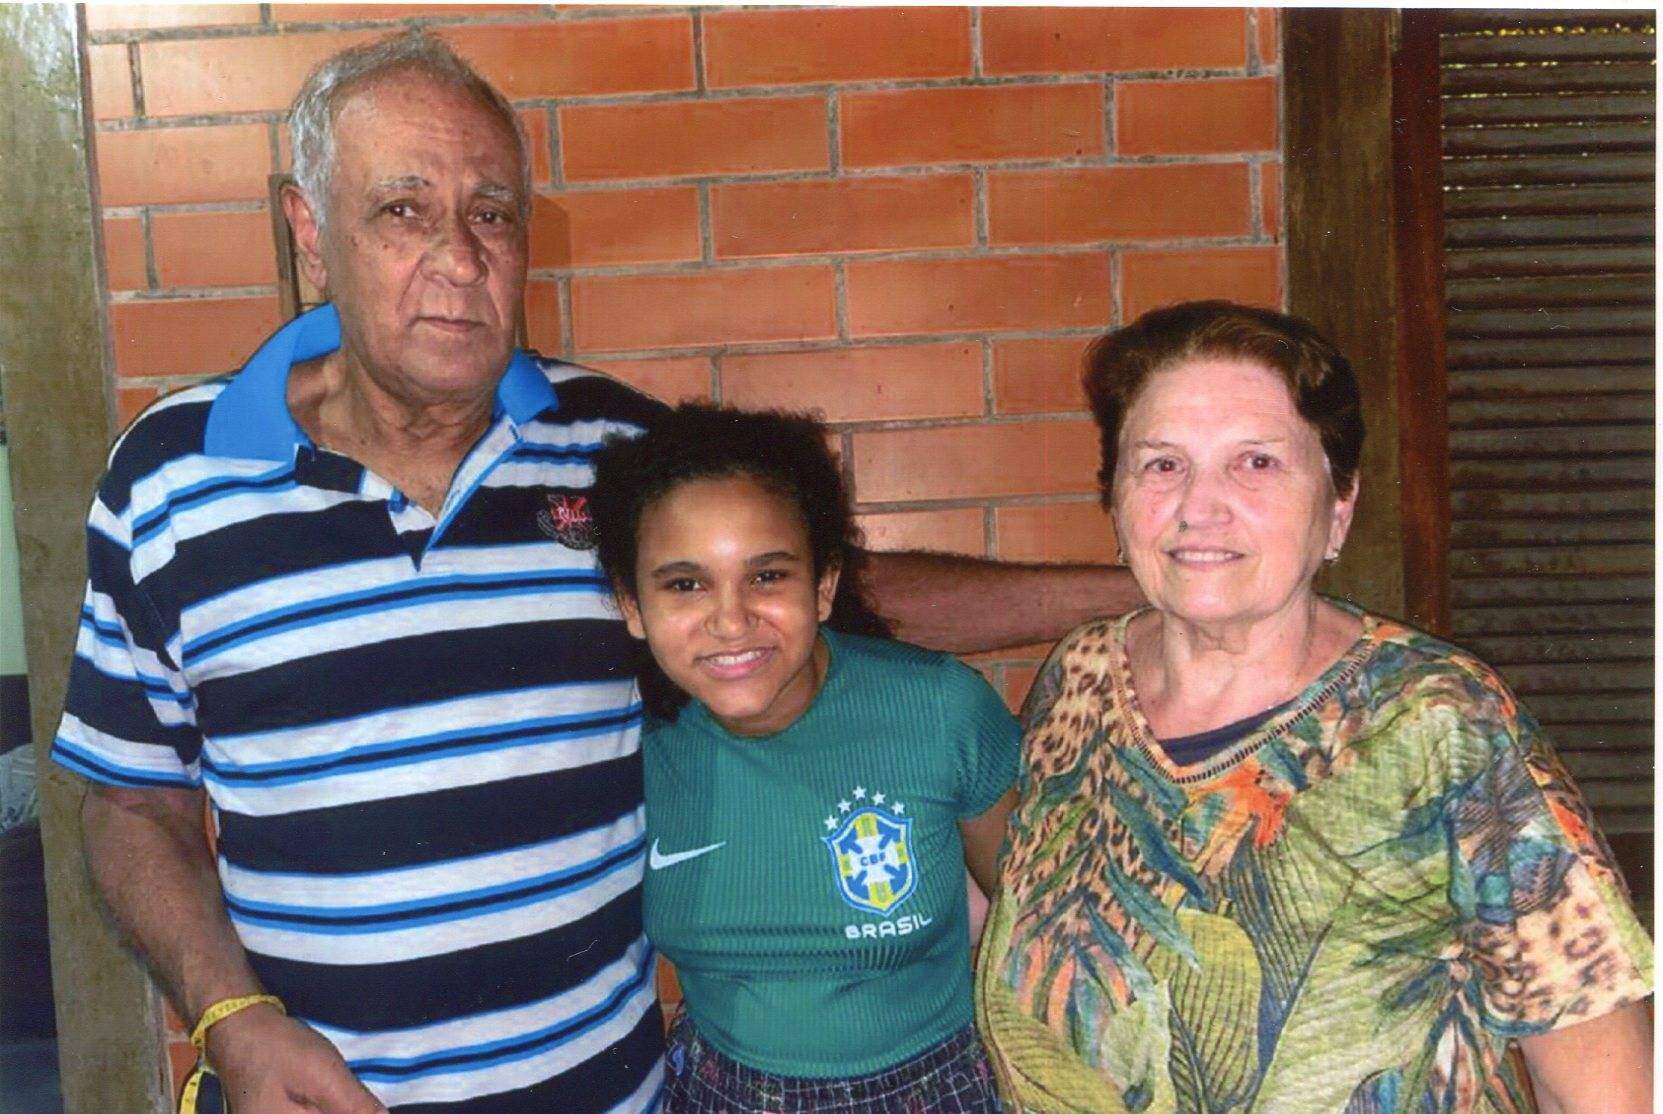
x,y
729,604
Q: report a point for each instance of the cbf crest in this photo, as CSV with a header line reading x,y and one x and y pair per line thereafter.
x,y
871,850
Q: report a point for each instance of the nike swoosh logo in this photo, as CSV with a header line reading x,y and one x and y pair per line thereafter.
x,y
658,860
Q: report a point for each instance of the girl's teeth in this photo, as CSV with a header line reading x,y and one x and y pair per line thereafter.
x,y
735,659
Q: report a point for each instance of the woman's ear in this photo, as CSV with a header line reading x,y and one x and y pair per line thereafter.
x,y
1340,524
631,607
826,591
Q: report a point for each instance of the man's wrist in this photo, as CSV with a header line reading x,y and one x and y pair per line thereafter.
x,y
226,1008
228,1031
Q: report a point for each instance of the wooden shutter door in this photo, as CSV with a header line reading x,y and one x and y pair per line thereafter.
x,y
1548,168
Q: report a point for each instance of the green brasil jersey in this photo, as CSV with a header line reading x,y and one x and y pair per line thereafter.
x,y
809,885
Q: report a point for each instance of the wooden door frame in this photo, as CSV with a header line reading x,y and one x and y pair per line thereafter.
x,y
60,403
1364,229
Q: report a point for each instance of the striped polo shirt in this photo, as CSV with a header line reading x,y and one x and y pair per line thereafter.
x,y
419,734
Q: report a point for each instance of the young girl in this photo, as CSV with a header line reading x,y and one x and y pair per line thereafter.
x,y
812,808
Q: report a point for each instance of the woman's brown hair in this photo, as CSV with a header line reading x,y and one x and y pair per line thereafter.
x,y
1323,386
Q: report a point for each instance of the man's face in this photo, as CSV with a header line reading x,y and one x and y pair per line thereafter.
x,y
424,250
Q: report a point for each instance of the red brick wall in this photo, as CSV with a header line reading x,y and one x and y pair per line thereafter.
x,y
911,219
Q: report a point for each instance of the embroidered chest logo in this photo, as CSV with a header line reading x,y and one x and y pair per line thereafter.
x,y
871,851
566,519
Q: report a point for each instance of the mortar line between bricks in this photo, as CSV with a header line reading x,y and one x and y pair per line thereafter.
x,y
909,170
972,421
707,234
699,91
184,207
990,530
964,254
1110,100
269,27
977,68
700,81
152,275
989,401
274,147
915,84
134,79
789,347
1115,288
563,302
989,503
554,105
1254,62
1256,200
176,294
834,133
551,128
840,301
979,203
846,461
806,90
201,120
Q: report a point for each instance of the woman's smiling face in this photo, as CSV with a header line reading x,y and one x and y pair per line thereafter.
x,y
728,602
1222,497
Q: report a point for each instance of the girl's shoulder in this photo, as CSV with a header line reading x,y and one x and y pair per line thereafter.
x,y
866,664
888,660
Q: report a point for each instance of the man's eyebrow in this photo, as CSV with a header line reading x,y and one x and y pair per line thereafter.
x,y
497,192
404,182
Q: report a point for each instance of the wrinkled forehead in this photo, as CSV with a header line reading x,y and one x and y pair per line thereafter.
x,y
1215,386
426,107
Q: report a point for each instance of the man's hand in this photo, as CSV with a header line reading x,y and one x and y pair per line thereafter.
x,y
148,851
272,1064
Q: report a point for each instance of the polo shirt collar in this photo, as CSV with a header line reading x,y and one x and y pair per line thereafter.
x,y
251,419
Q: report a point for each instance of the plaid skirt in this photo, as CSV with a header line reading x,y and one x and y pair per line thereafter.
x,y
952,1077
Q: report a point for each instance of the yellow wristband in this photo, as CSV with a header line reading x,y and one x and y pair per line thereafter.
x,y
193,1087
223,1009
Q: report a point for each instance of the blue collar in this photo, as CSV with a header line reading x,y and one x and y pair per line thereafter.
x,y
250,419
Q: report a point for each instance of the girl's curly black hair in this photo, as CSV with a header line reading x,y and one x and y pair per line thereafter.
x,y
787,453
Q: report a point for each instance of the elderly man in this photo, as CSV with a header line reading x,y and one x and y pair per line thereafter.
x,y
348,594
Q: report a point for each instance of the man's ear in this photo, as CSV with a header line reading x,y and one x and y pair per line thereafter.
x,y
631,607
307,236
826,591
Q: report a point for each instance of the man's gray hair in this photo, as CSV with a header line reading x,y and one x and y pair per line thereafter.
x,y
312,117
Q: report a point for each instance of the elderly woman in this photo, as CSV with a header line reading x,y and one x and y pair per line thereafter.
x,y
1274,853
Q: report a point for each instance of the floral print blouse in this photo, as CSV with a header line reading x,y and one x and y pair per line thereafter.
x,y
1355,908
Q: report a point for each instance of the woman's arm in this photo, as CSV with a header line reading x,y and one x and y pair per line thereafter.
x,y
1603,1064
982,837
